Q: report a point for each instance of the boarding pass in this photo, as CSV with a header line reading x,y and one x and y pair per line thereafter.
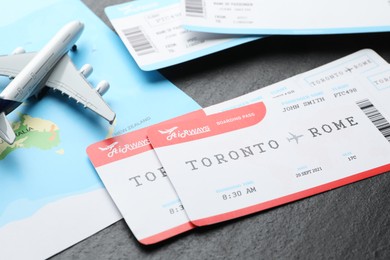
x,y
364,62
152,32
137,182
286,17
251,158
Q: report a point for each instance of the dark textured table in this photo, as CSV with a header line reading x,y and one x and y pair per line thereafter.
x,y
351,222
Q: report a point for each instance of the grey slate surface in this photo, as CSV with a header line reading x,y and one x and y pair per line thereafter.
x,y
351,222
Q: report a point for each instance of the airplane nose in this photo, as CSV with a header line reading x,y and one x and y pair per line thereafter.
x,y
81,25
76,25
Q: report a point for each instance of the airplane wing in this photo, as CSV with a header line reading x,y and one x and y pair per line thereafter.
x,y
67,79
11,65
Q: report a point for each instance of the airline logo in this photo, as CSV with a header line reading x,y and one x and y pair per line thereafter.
x,y
108,147
116,148
173,133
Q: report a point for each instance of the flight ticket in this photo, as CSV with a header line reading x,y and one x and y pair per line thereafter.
x,y
286,17
152,32
265,154
362,62
140,185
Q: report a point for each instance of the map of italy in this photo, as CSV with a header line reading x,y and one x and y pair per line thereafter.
x,y
32,133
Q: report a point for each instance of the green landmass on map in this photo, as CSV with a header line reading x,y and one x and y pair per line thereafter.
x,y
31,133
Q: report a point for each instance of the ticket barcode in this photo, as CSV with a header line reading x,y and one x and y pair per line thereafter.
x,y
194,8
138,41
375,117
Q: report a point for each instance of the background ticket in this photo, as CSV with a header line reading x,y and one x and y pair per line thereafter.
x,y
153,33
287,17
262,155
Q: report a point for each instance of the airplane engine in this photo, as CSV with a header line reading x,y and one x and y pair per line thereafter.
x,y
102,87
86,70
18,50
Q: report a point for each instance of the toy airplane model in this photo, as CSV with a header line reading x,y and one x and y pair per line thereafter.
x,y
50,67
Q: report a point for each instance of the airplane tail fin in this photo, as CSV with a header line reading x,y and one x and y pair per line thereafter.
x,y
6,131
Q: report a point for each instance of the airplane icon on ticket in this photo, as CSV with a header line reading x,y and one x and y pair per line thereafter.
x,y
294,137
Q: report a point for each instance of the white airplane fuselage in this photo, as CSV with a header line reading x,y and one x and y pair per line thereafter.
x,y
33,76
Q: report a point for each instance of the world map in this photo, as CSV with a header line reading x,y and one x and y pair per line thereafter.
x,y
32,133
47,166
